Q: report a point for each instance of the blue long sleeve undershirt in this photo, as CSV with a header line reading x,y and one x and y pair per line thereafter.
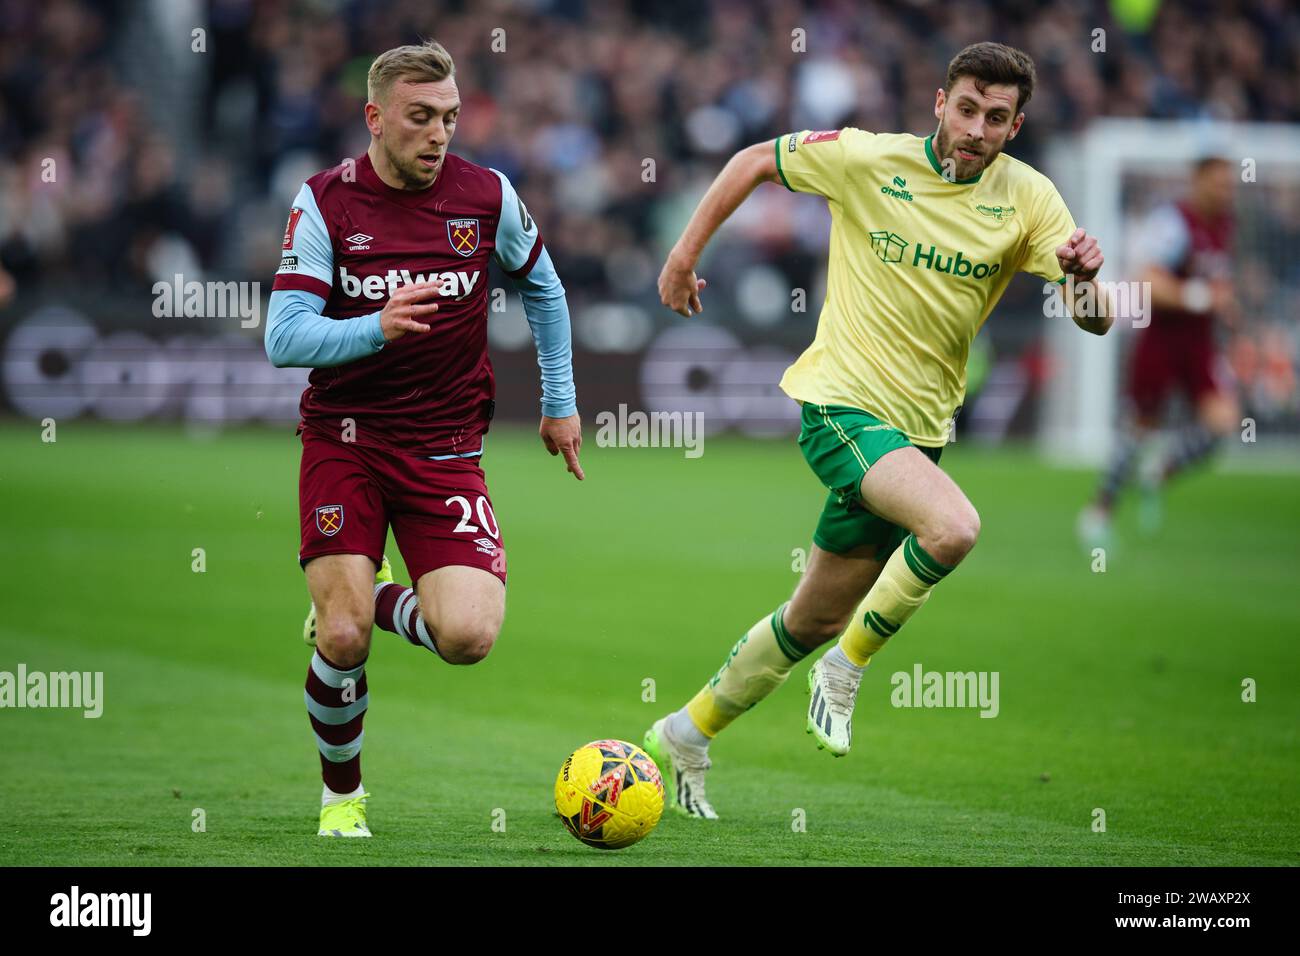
x,y
547,311
299,336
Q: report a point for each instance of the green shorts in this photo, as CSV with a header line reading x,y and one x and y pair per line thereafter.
x,y
840,444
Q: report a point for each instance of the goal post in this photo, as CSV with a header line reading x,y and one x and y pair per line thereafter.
x,y
1111,176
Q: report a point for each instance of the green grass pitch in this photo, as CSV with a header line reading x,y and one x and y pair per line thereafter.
x,y
1119,690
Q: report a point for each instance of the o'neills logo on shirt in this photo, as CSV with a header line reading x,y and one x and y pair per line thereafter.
x,y
900,192
454,284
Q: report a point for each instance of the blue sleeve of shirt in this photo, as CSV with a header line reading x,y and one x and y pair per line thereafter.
x,y
518,244
548,317
298,335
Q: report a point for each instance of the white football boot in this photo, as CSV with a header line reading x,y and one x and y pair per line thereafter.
x,y
833,689
682,772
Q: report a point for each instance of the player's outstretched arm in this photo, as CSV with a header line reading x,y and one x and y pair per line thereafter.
x,y
1089,303
679,287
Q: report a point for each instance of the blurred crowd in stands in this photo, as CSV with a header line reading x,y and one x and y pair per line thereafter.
x,y
140,139
569,98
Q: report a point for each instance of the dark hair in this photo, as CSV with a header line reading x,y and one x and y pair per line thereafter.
x,y
988,63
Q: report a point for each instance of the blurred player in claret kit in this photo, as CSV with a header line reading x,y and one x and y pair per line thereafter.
x,y
926,233
382,291
1186,250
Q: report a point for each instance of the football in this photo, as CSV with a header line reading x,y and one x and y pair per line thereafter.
x,y
609,794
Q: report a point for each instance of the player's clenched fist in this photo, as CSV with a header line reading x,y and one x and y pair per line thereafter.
x,y
405,307
563,436
1080,256
679,287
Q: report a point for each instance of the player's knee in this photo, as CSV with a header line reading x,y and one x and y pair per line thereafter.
x,y
344,638
963,532
953,536
466,642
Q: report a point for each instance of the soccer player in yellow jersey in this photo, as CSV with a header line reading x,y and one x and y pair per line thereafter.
x,y
925,235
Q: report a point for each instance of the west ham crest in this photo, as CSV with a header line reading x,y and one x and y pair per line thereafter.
x,y
329,520
463,234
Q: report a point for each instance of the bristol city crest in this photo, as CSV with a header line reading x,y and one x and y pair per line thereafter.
x,y
463,234
329,520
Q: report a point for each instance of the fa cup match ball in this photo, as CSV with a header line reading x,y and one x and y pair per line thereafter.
x,y
609,794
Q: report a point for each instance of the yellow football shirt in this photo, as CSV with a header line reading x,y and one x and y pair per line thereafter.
x,y
916,263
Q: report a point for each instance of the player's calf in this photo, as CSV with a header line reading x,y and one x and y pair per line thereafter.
x,y
454,611
337,697
757,665
397,609
906,583
813,625
828,592
451,633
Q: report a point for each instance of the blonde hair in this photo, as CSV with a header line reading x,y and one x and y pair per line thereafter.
x,y
427,63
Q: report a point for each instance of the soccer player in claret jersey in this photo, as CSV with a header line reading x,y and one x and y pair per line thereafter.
x,y
925,235
382,291
1187,246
